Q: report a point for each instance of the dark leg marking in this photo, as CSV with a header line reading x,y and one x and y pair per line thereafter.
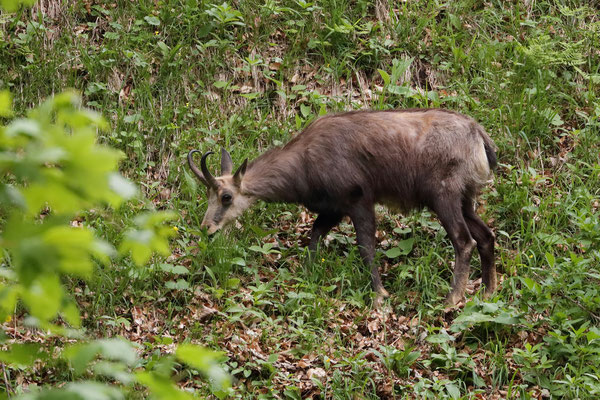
x,y
321,226
485,245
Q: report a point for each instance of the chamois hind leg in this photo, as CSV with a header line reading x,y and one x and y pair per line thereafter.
x,y
321,226
449,211
363,218
485,245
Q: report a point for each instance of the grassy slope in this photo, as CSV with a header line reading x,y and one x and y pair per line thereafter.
x,y
176,75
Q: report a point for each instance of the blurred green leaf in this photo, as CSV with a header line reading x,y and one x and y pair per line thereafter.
x,y
206,361
22,354
121,186
80,355
44,296
161,387
84,390
5,104
70,313
88,390
150,236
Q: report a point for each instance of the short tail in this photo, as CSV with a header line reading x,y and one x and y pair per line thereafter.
x,y
489,146
490,153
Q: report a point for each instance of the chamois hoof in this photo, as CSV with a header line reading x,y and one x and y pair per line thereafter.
x,y
454,298
380,295
487,294
378,302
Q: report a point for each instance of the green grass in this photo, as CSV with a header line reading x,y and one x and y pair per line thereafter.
x,y
175,75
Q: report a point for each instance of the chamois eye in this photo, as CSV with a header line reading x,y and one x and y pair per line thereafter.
x,y
226,198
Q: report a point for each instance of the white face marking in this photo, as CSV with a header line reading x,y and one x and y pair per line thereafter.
x,y
225,203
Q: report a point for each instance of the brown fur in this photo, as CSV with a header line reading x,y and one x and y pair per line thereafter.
x,y
342,164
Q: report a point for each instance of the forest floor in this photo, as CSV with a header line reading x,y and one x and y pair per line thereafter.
x,y
171,76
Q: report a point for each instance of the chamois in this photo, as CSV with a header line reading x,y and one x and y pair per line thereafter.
x,y
342,164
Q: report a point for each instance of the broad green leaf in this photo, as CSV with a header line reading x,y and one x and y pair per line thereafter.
x,y
453,390
489,308
531,285
400,90
593,334
385,76
393,252
406,245
399,67
133,118
322,109
238,261
220,84
305,110
233,283
56,196
440,338
152,20
557,120
163,47
412,357
181,284
174,269
506,319
261,233
551,259
180,270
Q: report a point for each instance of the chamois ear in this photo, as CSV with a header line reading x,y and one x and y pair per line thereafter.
x,y
239,174
226,163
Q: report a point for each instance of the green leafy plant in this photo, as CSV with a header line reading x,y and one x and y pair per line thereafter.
x,y
55,170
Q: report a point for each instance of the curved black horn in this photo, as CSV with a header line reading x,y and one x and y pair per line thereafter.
x,y
194,168
210,180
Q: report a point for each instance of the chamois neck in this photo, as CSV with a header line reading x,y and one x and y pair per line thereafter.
x,y
273,176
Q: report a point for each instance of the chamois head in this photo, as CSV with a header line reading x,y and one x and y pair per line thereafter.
x,y
225,198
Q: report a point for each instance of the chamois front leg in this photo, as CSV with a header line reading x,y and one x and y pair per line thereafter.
x,y
321,226
450,214
363,218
